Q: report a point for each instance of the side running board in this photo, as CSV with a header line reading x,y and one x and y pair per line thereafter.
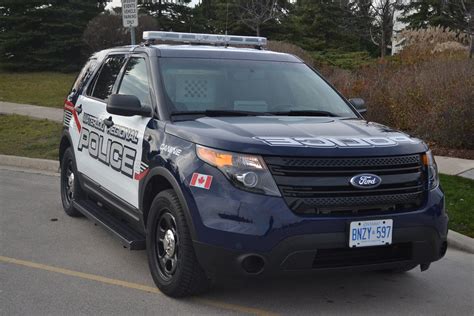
x,y
129,237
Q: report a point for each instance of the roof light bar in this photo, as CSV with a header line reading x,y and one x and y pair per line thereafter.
x,y
205,38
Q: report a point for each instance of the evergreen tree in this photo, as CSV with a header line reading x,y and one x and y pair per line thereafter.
x,y
323,25
44,34
457,15
171,16
217,17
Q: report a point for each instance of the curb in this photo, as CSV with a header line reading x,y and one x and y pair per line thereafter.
x,y
30,163
455,240
460,242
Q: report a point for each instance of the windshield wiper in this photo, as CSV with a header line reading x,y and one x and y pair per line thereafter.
x,y
215,113
305,113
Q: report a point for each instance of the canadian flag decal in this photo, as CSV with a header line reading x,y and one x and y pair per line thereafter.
x,y
201,181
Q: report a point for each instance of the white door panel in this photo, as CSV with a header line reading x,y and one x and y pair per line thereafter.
x,y
91,138
126,139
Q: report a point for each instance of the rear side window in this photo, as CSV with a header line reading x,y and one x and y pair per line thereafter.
x,y
107,76
84,75
135,80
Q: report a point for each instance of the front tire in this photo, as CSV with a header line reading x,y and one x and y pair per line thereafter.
x,y
171,258
70,186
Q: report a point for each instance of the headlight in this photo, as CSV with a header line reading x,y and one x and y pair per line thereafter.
x,y
246,172
430,164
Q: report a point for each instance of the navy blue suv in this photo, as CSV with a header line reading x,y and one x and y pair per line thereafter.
x,y
224,160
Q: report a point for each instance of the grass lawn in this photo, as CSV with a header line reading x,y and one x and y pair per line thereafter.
x,y
459,203
21,136
38,88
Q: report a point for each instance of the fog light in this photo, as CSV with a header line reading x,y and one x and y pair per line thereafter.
x,y
253,264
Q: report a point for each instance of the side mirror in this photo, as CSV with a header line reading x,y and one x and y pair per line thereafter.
x,y
127,105
359,104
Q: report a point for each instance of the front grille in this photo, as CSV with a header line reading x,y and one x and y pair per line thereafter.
x,y
350,162
321,186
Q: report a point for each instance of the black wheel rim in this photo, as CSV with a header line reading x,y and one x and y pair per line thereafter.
x,y
68,183
167,245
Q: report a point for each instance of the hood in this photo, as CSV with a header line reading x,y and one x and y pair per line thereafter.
x,y
296,136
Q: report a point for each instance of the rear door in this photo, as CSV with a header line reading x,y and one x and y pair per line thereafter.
x,y
91,144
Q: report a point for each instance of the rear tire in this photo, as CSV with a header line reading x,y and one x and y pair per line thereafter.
x,y
70,187
171,257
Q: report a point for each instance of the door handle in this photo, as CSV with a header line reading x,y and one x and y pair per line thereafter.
x,y
109,122
78,109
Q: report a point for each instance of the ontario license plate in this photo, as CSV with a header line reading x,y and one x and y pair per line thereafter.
x,y
371,233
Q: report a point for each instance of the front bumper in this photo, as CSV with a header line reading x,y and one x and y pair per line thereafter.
x,y
411,246
232,225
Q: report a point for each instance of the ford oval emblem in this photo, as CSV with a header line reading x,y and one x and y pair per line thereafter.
x,y
366,181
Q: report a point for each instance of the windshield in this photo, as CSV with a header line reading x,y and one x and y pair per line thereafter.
x,y
266,87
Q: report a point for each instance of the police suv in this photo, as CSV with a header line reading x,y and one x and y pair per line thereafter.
x,y
225,160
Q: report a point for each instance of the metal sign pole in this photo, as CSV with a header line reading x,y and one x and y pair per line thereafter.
x,y
130,17
132,34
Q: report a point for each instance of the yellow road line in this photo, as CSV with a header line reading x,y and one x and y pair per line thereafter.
x,y
130,285
81,275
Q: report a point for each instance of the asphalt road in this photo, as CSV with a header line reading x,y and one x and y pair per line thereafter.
x,y
53,264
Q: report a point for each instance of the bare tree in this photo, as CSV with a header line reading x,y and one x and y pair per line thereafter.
x,y
106,30
377,18
255,13
382,24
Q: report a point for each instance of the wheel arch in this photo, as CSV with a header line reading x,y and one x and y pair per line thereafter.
x,y
158,180
64,144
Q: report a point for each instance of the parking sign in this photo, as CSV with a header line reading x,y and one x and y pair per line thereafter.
x,y
129,13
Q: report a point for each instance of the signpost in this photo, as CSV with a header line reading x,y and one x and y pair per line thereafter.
x,y
130,16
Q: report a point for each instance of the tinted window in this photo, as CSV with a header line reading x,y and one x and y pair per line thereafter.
x,y
247,85
135,80
84,75
106,79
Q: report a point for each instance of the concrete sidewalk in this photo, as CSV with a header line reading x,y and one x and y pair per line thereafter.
x,y
456,166
40,112
446,165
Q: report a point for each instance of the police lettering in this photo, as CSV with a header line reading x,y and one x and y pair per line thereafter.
x,y
93,121
119,157
127,134
339,142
